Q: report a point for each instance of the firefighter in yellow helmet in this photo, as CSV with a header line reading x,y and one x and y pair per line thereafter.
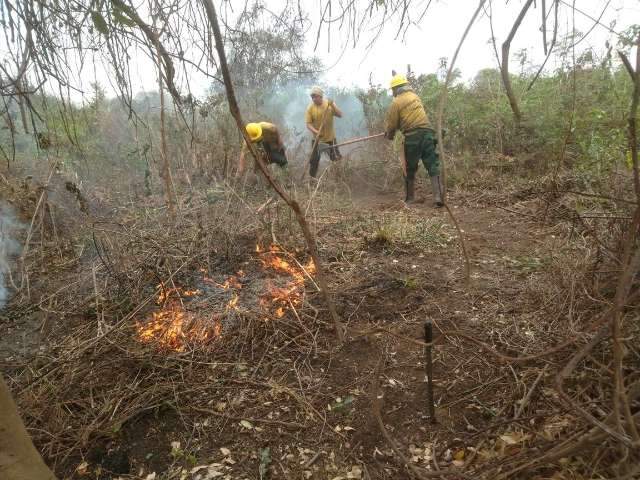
x,y
408,115
319,120
268,141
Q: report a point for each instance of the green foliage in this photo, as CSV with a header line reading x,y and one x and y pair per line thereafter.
x,y
375,100
579,111
265,461
99,22
120,16
478,118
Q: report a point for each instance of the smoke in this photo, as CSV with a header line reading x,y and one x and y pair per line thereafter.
x,y
286,106
9,227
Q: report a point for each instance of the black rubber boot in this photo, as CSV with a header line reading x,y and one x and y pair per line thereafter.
x,y
437,191
409,188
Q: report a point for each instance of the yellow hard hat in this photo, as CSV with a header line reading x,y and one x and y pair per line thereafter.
x,y
398,80
255,131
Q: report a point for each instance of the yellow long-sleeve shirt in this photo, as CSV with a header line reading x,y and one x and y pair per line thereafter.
x,y
405,113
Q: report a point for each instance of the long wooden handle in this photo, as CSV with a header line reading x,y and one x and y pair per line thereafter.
x,y
322,120
359,139
403,158
315,142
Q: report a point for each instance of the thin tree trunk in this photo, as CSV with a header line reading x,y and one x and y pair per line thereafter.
x,y
633,113
504,67
23,112
166,169
630,262
543,8
235,111
443,97
441,104
551,46
163,55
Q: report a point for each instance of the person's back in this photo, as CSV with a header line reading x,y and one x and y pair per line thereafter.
x,y
266,136
270,134
407,114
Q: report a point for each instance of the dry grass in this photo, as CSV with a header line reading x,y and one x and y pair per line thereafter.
x,y
542,283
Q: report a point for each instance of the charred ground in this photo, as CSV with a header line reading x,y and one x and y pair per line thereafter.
x,y
272,393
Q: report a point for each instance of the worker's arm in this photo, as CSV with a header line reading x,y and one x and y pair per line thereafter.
x,y
336,111
392,121
312,129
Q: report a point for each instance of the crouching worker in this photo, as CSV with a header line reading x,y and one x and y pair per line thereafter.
x,y
408,115
267,140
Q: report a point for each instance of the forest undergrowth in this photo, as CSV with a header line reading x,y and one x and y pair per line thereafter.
x,y
200,348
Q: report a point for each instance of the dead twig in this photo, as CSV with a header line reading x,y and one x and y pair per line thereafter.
x,y
527,398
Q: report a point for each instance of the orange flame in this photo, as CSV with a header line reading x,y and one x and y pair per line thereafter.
x,y
173,327
278,299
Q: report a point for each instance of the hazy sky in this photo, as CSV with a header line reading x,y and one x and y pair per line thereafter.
x,y
435,37
439,33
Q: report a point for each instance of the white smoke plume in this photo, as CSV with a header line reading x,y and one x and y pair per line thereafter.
x,y
286,107
9,247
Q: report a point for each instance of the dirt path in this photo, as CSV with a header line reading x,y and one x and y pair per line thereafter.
x,y
408,268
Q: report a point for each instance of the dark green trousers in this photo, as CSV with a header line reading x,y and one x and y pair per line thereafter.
x,y
421,145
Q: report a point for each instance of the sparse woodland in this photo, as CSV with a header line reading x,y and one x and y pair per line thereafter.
x,y
162,317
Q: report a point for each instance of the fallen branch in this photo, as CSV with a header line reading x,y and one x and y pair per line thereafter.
x,y
564,374
527,398
208,411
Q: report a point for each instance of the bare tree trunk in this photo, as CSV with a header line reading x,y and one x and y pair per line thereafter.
x,y
441,104
235,111
630,264
166,168
443,96
19,459
504,67
548,51
543,8
633,113
23,112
